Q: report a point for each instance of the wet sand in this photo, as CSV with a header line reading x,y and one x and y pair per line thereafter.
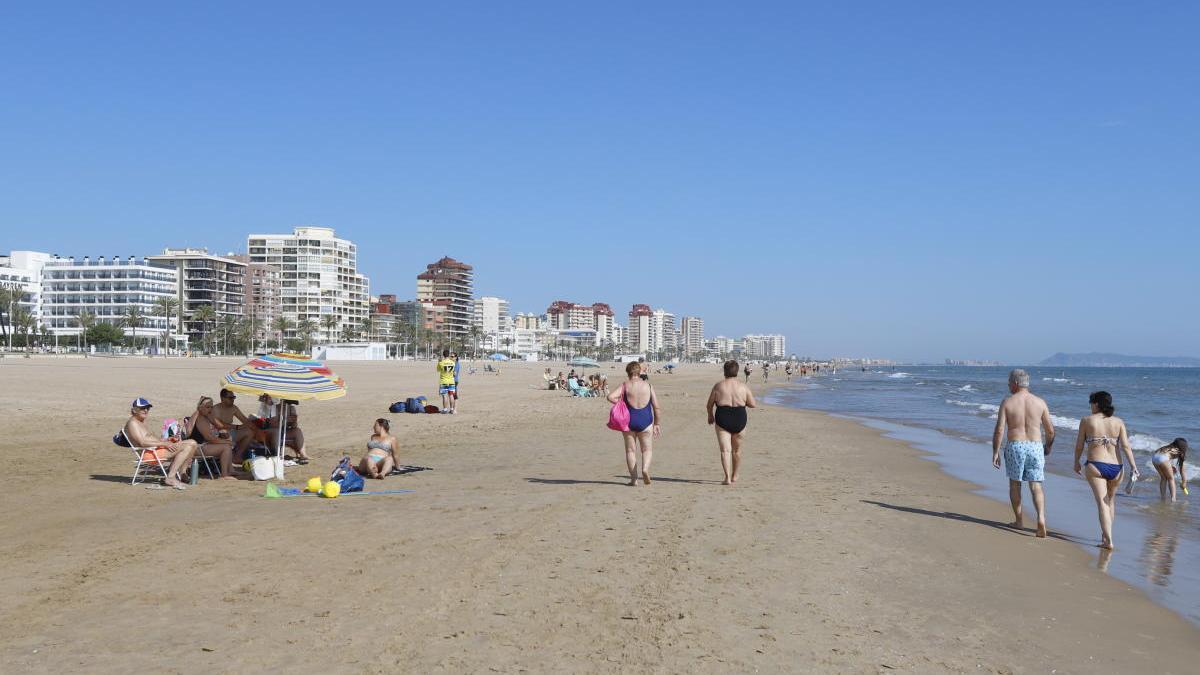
x,y
838,550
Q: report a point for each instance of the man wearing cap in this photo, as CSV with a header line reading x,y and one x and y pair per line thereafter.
x,y
179,452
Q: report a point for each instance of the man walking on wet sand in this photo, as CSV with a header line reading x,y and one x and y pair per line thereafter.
x,y
1025,417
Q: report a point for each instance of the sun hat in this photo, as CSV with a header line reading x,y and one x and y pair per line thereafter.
x,y
140,403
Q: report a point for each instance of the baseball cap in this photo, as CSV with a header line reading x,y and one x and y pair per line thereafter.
x,y
140,403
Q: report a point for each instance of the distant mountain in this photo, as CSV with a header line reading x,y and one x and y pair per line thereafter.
x,y
1098,360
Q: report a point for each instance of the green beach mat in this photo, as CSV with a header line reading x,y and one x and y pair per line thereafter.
x,y
276,492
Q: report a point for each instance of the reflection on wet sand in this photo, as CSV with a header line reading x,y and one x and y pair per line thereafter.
x,y
1158,553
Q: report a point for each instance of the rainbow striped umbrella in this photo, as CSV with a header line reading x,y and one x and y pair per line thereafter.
x,y
284,381
285,358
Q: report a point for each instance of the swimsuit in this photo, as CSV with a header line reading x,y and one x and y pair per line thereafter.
x,y
378,445
1025,461
1107,471
731,418
640,419
1161,458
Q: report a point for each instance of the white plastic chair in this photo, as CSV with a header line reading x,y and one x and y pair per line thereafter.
x,y
145,467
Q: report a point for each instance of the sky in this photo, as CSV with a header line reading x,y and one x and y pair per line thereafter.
x,y
915,181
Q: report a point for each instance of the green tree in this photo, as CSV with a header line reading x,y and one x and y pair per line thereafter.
x,y
228,330
349,333
104,334
247,331
85,320
368,327
168,309
304,331
282,325
204,315
330,323
133,318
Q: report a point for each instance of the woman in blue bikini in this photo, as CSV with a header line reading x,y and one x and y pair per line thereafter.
x,y
643,420
1103,434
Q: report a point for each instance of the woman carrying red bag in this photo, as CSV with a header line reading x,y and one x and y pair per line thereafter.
x,y
644,417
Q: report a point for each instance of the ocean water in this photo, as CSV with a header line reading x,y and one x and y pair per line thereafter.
x,y
951,411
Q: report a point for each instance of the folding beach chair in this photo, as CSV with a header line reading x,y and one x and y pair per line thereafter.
x,y
147,462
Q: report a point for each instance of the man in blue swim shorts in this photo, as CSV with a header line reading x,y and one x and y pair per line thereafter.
x,y
1023,418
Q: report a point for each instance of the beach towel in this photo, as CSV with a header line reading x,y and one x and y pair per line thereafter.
x,y
274,492
408,468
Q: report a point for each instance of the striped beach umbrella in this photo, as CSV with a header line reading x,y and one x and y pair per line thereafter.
x,y
286,358
284,381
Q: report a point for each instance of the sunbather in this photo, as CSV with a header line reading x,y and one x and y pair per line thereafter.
x,y
211,433
295,436
381,452
243,434
178,451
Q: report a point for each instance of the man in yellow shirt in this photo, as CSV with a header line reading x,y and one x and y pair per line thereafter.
x,y
447,388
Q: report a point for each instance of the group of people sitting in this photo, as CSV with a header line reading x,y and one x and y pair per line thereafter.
x,y
220,432
577,384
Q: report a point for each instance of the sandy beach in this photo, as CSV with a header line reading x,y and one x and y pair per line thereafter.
x,y
523,550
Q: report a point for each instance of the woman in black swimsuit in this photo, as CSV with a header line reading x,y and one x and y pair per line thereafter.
x,y
210,433
727,411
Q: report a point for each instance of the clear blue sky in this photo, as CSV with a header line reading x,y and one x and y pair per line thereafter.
x,y
913,180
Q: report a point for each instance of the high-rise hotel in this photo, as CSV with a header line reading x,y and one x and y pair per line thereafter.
x,y
318,278
445,291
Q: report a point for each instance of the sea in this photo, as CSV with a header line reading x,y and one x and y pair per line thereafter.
x,y
950,412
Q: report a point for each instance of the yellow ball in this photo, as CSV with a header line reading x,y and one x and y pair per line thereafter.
x,y
314,484
331,490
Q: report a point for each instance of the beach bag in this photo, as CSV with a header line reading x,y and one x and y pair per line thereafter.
x,y
398,407
345,476
431,409
119,439
171,429
262,468
413,405
618,417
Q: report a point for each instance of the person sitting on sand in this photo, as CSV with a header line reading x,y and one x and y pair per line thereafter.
x,y
1025,417
1103,435
209,432
644,420
179,452
226,412
562,380
295,435
1164,460
381,451
730,399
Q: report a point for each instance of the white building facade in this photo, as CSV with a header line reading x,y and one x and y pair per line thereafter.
x,y
772,346
691,335
491,315
205,280
106,289
318,278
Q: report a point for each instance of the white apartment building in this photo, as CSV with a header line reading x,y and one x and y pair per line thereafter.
x,y
620,335
205,280
445,291
691,335
491,315
663,337
523,342
765,346
22,271
598,317
638,337
106,289
318,278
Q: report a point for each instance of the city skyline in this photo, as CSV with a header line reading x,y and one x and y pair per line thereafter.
x,y
866,180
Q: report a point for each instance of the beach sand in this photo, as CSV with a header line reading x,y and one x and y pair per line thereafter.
x,y
523,550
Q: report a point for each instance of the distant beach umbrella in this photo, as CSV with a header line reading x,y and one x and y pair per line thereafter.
x,y
498,357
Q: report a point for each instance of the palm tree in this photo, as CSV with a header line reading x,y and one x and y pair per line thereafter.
x,y
368,326
228,326
204,314
282,325
167,308
349,333
85,320
305,330
248,332
133,318
475,332
330,323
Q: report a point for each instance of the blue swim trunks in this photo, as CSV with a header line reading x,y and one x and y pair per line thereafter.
x,y
1025,460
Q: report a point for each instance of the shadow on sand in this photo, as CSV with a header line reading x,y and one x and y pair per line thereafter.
x,y
622,482
950,515
107,478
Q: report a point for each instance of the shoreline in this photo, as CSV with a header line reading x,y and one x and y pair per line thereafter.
x,y
838,550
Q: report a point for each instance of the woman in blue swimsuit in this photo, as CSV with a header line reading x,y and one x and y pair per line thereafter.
x,y
1103,434
644,419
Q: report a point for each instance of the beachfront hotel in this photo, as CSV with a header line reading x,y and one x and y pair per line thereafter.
x,y
445,292
106,288
691,335
318,278
772,346
21,271
262,299
491,315
204,280
569,316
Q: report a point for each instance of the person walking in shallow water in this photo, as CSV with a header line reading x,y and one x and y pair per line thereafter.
x,y
726,407
1164,460
1103,435
1023,417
